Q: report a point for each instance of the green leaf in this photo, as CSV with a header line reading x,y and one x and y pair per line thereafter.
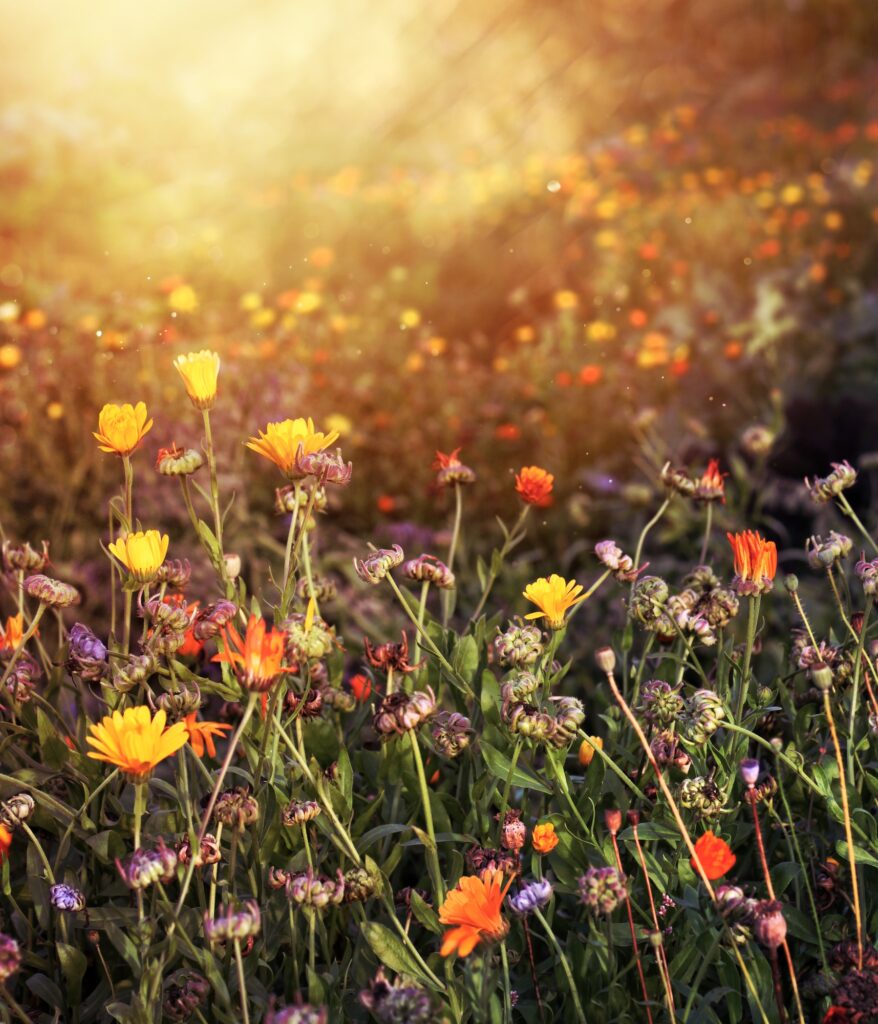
x,y
391,952
862,856
46,989
425,914
73,965
499,765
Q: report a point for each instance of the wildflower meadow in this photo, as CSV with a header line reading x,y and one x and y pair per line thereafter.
x,y
439,514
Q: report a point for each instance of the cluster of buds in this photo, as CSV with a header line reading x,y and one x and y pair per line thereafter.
x,y
611,556
648,606
307,889
399,713
452,733
307,641
482,858
824,552
556,723
10,957
519,645
86,654
428,569
825,488
175,461
299,1013
513,831
531,896
756,791
328,467
209,622
339,700
134,671
177,704
67,898
703,716
146,867
175,573
668,752
602,890
300,812
236,808
233,923
322,588
390,657
288,501
24,676
737,909
397,1002
185,991
701,795
170,621
376,565
50,591
22,558
359,885
660,703
16,809
209,851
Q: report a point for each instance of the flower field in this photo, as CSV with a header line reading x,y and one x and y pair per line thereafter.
x,y
438,581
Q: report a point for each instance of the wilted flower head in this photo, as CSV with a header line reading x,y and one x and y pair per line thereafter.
x,y
452,732
50,591
208,852
199,371
23,558
868,574
288,440
554,596
534,486
825,488
611,556
519,644
602,890
16,809
531,896
210,620
513,831
233,923
185,991
397,1002
376,565
399,713
307,889
769,925
823,552
300,812
132,672
121,428
146,867
450,470
86,654
236,808
141,553
390,656
67,898
668,751
677,480
428,569
328,467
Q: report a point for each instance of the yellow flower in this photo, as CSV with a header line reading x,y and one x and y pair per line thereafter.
x,y
282,442
121,428
587,749
544,838
135,742
183,299
553,596
141,553
199,371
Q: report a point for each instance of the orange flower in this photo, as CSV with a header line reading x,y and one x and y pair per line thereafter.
x,y
714,855
534,486
10,637
711,486
474,908
191,646
544,839
587,749
361,687
201,734
5,842
755,562
257,658
135,741
121,428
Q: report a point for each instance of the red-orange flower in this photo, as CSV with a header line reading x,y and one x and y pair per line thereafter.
x,y
201,734
711,486
10,637
755,562
534,486
450,470
257,657
5,842
191,646
474,909
714,855
361,687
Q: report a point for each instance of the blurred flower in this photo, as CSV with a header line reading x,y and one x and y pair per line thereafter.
x,y
183,299
201,734
283,442
602,890
824,489
257,658
23,558
531,896
231,923
185,991
553,596
134,741
587,748
10,636
300,1013
450,470
714,855
611,556
5,842
16,809
544,839
141,553
199,371
755,562
10,957
824,552
397,1003
473,908
534,486
361,687
122,428
710,486
50,591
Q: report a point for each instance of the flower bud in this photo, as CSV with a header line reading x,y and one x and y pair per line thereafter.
x,y
299,812
605,659
749,769
231,924
452,732
612,820
211,619
531,896
513,831
233,565
770,926
22,558
51,592
86,654
428,569
236,808
176,461
15,810
376,565
791,582
176,572
821,676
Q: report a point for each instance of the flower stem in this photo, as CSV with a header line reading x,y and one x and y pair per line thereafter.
x,y
565,966
422,608
448,595
432,852
242,983
16,654
708,523
848,511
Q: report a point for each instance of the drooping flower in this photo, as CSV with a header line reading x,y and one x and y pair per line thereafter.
x,y
473,908
10,637
176,461
199,371
554,597
121,428
201,734
257,658
141,553
283,442
714,855
755,562
534,486
544,838
134,741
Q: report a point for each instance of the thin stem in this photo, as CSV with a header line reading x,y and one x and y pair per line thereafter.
x,y
452,550
848,511
565,966
433,851
708,523
744,681
633,931
242,983
129,491
661,955
13,1005
513,538
422,608
641,540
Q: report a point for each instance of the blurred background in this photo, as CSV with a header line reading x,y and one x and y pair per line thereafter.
x,y
591,235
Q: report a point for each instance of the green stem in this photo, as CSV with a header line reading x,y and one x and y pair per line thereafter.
x,y
129,492
13,1005
17,653
433,851
242,983
848,511
708,523
565,966
447,595
422,608
512,540
699,976
744,682
641,540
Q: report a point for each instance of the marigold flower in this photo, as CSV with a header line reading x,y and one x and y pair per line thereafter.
x,y
711,485
201,734
141,553
587,749
714,855
473,907
10,637
5,842
134,741
257,657
755,562
199,371
283,442
544,838
534,486
553,596
121,428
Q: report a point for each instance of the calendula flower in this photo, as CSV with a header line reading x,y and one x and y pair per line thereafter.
x,y
711,486
283,442
5,842
534,486
257,658
755,562
587,749
714,855
474,910
121,428
141,553
199,371
544,838
10,637
201,734
553,596
135,741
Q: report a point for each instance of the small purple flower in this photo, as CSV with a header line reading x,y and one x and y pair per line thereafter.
x,y
531,896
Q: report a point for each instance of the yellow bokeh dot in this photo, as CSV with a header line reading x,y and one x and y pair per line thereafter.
x,y
10,356
54,410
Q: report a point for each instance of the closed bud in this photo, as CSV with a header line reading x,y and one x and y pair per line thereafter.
x,y
613,820
821,676
791,583
50,591
749,769
605,660
233,565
